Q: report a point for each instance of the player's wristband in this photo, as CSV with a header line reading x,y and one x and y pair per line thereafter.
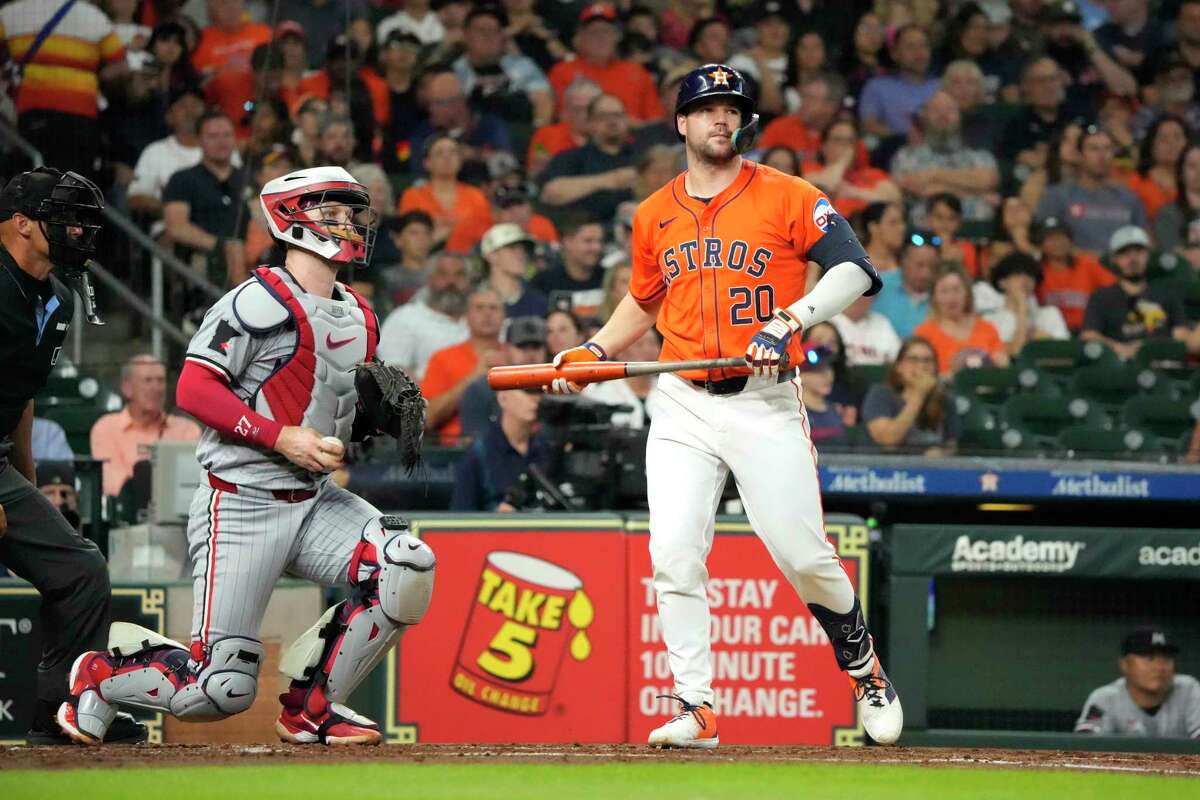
x,y
595,350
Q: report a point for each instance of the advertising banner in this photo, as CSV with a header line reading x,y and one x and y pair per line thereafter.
x,y
774,675
1145,553
21,650
546,630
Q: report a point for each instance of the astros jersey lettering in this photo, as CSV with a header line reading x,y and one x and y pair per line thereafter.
x,y
724,266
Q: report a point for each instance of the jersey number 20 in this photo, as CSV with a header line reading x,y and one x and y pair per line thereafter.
x,y
762,298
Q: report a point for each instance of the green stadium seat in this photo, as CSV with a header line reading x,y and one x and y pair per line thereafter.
x,y
868,374
1166,356
1111,386
1044,417
857,438
1163,416
1062,357
1011,440
996,384
1083,441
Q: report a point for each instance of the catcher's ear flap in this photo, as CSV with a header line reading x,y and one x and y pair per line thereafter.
x,y
743,137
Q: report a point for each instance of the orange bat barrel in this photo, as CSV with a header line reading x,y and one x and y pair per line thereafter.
x,y
536,376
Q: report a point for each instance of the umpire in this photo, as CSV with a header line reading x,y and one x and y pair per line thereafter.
x,y
49,222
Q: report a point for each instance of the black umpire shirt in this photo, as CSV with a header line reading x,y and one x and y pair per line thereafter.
x,y
34,318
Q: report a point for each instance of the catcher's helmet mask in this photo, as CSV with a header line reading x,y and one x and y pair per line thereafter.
x,y
301,210
720,81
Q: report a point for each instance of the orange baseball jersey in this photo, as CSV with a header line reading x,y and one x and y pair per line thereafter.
x,y
721,268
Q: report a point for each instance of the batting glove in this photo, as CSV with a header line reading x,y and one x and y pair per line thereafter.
x,y
588,351
769,344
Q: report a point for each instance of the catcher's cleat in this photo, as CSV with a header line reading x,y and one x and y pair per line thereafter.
x,y
694,726
878,705
309,718
338,725
124,730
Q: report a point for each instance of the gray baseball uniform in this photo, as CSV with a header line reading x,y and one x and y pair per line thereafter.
x,y
1111,710
289,356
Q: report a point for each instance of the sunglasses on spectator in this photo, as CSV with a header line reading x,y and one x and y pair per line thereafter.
x,y
922,239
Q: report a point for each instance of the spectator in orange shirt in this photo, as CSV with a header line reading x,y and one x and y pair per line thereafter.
x,y
820,101
229,39
595,43
514,203
1158,160
960,337
457,209
290,39
550,140
236,91
452,369
120,439
1068,276
369,99
851,185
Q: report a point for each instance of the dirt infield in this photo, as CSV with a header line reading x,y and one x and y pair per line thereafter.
x,y
200,755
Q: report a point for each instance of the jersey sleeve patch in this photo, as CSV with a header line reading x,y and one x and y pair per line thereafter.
x,y
258,309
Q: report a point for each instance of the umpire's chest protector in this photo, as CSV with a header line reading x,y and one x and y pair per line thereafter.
x,y
314,386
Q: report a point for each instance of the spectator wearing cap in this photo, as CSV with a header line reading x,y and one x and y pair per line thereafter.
x,y
507,252
503,83
452,369
368,100
550,140
941,163
57,101
229,39
318,19
456,208
122,438
1130,311
640,394
821,99
412,235
480,134
514,203
824,420
766,61
415,18
867,336
1090,204
1069,276
163,158
491,473
1042,113
1149,699
431,321
595,43
1153,181
238,91
889,103
399,57
959,335
201,204
56,482
524,343
576,281
1173,92
594,179
851,183
1010,303
904,298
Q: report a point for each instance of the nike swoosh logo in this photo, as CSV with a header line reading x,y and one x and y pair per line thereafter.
x,y
235,694
413,546
332,345
664,223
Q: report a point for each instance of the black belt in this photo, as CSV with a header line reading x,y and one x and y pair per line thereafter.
x,y
735,385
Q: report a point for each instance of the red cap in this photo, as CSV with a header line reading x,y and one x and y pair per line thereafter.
x,y
606,12
289,26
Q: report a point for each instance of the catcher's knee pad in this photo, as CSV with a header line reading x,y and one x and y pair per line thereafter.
x,y
150,671
399,566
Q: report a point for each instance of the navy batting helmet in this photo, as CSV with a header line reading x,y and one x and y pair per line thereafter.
x,y
718,80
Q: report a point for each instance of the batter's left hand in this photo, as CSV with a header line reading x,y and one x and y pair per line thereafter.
x,y
769,344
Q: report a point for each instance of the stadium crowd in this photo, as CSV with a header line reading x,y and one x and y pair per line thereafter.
x,y
1025,176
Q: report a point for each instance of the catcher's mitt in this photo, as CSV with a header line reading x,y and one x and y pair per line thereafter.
x,y
391,403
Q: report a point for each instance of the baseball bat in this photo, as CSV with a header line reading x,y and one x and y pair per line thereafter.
x,y
536,376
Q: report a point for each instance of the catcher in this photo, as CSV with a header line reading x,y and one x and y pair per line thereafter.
x,y
282,374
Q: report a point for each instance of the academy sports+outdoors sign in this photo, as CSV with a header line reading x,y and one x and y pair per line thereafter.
x,y
1077,552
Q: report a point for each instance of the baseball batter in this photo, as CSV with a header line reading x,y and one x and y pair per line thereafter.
x,y
719,260
271,374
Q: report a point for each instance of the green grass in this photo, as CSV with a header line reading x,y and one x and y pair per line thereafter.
x,y
612,781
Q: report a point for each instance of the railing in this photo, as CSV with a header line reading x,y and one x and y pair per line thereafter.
x,y
159,258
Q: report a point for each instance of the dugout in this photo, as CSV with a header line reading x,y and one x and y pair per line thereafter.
x,y
997,634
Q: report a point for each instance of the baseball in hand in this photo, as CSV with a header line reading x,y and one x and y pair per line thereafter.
x,y
336,442
331,456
